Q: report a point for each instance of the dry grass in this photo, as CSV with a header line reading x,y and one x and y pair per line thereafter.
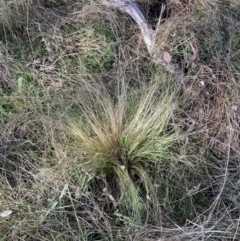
x,y
122,133
78,90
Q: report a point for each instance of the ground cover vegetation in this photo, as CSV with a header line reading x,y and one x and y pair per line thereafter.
x,y
97,142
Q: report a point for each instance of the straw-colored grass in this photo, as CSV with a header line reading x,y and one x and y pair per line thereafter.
x,y
124,133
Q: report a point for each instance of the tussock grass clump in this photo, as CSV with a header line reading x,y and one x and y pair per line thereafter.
x,y
124,134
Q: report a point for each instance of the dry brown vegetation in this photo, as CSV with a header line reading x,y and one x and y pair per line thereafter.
x,y
99,143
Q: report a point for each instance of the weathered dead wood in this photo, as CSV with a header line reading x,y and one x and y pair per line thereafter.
x,y
132,9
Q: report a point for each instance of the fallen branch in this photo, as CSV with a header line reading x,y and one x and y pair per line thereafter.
x,y
132,9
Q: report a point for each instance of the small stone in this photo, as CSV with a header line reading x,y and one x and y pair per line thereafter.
x,y
104,190
5,214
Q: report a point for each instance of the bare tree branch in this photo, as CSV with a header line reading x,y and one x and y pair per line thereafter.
x,y
132,9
